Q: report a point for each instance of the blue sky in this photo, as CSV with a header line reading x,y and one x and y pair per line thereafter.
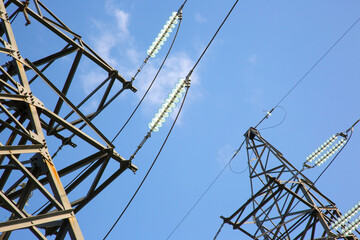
x,y
262,51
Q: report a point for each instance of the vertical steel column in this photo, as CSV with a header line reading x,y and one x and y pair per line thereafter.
x,y
52,174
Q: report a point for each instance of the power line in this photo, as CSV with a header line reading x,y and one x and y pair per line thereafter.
x,y
323,171
230,167
301,79
204,193
162,64
268,114
187,78
212,39
216,178
319,60
346,133
152,82
278,124
311,69
351,130
153,163
352,126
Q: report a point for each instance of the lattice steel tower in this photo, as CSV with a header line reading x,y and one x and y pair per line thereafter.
x,y
39,106
284,203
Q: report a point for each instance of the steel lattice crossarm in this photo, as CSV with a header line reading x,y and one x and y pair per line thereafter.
x,y
284,204
40,109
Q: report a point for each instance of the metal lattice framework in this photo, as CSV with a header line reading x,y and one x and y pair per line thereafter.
x,y
37,107
284,204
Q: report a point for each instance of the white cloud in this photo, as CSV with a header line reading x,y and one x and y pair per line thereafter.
x,y
133,55
122,19
177,66
91,106
224,155
199,18
252,59
238,165
109,35
104,45
91,79
106,42
256,98
122,22
115,44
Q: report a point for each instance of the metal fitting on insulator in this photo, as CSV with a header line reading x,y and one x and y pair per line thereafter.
x,y
180,15
187,82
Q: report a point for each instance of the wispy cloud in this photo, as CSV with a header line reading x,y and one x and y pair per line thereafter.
x,y
224,154
122,22
177,66
199,18
238,164
252,59
103,46
111,34
91,106
133,55
91,79
122,19
109,37
114,43
256,99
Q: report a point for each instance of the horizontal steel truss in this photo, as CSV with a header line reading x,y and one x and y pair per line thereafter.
x,y
25,119
281,209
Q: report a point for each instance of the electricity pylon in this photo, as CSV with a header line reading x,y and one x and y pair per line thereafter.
x,y
39,107
284,204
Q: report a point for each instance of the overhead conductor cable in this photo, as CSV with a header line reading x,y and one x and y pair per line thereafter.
x,y
161,38
155,123
166,108
169,104
159,41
